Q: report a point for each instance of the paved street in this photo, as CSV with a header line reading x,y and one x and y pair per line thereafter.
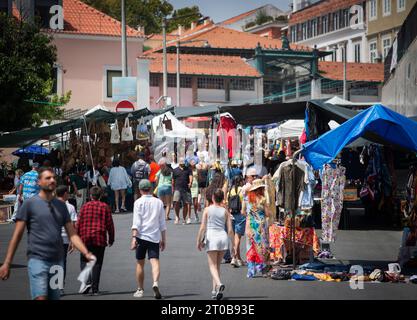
x,y
185,273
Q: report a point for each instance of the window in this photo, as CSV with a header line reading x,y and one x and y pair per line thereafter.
x,y
154,80
373,13
314,28
325,26
357,48
336,21
294,34
400,5
386,7
345,18
110,74
386,45
242,84
372,52
210,83
304,30
185,82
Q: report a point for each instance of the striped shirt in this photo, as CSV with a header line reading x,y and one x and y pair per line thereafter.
x,y
30,184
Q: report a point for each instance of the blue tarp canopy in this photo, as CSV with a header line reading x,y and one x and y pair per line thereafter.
x,y
31,151
378,124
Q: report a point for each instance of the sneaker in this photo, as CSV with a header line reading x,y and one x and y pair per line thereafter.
x,y
234,263
197,219
156,292
139,293
219,293
86,289
62,292
224,261
188,221
176,221
96,293
213,294
240,263
116,211
123,209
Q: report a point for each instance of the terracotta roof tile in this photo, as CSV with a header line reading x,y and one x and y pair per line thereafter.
x,y
320,8
371,72
224,38
210,65
80,18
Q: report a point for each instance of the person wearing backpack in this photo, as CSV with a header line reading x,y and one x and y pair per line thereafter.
x,y
234,202
140,170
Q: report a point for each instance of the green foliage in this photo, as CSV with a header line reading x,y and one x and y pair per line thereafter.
x,y
147,13
262,17
250,24
184,17
26,63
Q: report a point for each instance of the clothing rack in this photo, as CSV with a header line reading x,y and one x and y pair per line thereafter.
x,y
294,209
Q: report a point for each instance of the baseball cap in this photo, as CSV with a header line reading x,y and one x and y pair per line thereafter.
x,y
145,184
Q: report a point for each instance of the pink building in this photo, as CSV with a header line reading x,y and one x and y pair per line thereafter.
x,y
88,51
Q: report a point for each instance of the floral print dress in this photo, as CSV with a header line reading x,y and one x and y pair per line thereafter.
x,y
257,255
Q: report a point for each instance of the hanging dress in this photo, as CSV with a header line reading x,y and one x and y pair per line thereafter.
x,y
257,238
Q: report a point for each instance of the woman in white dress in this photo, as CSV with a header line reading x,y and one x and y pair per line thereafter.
x,y
215,220
119,181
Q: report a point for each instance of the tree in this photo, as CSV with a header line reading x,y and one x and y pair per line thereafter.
x,y
184,17
26,64
147,13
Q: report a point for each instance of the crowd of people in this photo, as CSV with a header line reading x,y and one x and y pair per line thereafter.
x,y
67,211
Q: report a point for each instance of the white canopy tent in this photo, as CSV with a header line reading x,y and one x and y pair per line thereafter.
x,y
291,129
179,130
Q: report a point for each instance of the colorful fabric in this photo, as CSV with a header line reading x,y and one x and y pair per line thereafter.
x,y
280,237
257,254
94,222
30,184
154,170
333,184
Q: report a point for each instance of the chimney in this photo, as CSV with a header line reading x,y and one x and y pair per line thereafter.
x,y
193,25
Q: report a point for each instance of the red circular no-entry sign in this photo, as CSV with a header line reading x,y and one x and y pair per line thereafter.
x,y
125,106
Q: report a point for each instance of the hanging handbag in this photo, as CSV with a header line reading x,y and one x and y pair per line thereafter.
x,y
167,123
115,134
142,132
127,133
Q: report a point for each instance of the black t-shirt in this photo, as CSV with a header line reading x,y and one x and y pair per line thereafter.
x,y
44,223
182,178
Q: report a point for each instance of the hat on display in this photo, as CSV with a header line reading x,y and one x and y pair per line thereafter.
x,y
258,183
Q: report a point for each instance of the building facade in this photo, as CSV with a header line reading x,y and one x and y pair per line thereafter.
x,y
88,51
384,19
331,25
400,88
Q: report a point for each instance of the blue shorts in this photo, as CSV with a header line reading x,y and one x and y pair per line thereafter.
x,y
239,223
144,246
164,191
46,278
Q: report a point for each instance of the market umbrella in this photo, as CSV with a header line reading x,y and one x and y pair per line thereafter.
x,y
31,151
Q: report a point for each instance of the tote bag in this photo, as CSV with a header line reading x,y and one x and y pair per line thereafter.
x,y
142,132
115,134
127,133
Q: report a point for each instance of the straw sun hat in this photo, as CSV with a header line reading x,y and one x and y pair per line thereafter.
x,y
258,183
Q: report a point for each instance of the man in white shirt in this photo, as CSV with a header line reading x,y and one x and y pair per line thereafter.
x,y
62,194
148,235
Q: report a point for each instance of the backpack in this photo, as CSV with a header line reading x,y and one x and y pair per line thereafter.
x,y
140,171
235,205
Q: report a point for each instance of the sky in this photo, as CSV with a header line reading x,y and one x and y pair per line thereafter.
x,y
220,10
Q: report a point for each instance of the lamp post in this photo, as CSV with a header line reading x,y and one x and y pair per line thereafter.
x,y
206,45
124,42
345,95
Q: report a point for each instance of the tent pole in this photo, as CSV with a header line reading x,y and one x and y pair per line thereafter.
x,y
294,208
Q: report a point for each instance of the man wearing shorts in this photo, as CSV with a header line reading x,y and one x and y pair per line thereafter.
x,y
182,180
140,170
148,236
44,216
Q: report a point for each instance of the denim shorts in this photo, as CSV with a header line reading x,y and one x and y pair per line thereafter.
x,y
46,278
164,191
239,223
